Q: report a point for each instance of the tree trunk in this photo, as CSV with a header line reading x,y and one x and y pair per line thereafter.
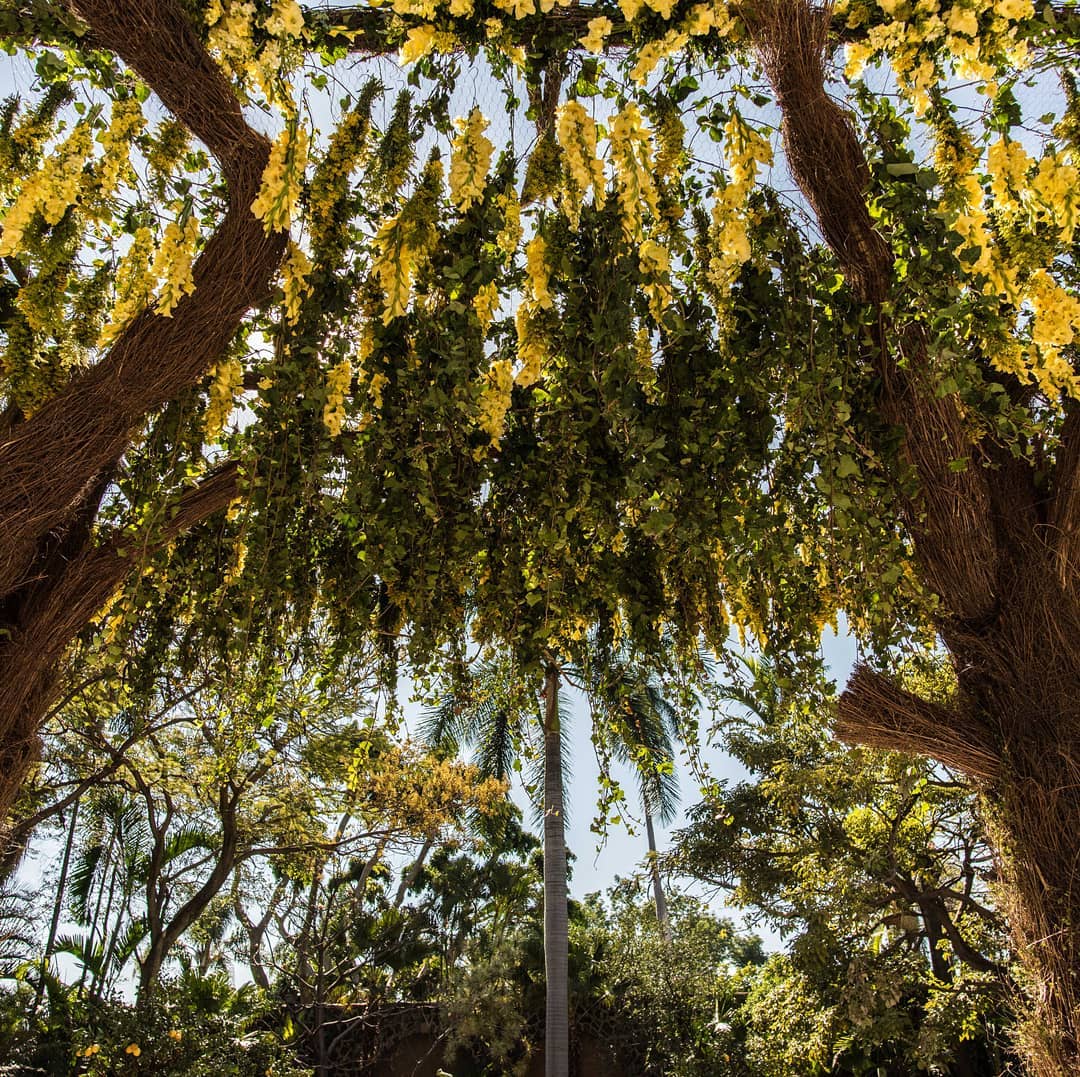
x,y
657,884
413,872
556,946
56,569
998,542
58,904
163,940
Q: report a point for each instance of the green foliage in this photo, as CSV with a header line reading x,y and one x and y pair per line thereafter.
x,y
194,1027
874,867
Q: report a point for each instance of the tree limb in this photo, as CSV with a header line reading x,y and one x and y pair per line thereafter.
x,y
875,712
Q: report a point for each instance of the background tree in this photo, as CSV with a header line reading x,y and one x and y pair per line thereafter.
x,y
875,866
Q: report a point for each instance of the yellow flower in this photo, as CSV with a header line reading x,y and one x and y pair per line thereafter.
x,y
282,179
470,159
653,259
419,41
286,20
175,1034
509,235
133,285
227,380
630,8
338,381
519,9
962,21
495,399
485,303
599,28
294,272
537,272
133,1049
576,132
173,264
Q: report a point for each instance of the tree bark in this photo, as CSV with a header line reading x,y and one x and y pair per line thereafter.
x,y
1000,555
657,884
55,574
168,934
556,946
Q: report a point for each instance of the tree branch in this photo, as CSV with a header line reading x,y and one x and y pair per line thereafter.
x,y
47,461
875,712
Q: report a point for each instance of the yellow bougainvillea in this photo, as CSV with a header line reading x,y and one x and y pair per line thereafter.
x,y
470,159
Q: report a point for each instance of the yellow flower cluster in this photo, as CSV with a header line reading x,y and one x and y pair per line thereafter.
x,y
133,285
631,158
521,9
50,191
282,179
470,159
1056,312
338,380
230,24
286,19
533,346
509,235
598,28
485,303
669,134
498,384
576,132
652,52
294,279
347,148
702,19
654,261
975,34
420,40
745,150
401,245
538,280
125,125
173,264
227,379
409,790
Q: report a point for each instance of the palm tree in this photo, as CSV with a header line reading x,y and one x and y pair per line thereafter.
x,y
493,713
646,726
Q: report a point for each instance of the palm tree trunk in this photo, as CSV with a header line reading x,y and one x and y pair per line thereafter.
x,y
58,906
557,1025
658,886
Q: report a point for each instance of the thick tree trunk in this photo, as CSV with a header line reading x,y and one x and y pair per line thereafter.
x,y
998,546
556,947
55,572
